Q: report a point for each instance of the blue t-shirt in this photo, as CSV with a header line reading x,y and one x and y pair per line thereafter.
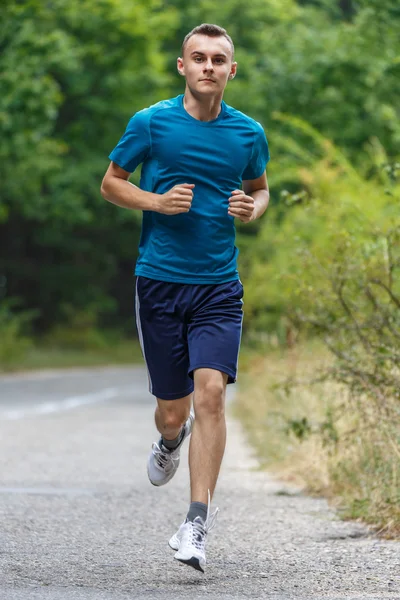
x,y
175,148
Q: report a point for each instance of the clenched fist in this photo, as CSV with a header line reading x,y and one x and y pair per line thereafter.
x,y
241,206
177,200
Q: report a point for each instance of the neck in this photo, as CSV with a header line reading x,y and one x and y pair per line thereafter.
x,y
200,107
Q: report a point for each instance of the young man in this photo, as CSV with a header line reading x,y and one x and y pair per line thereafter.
x,y
196,152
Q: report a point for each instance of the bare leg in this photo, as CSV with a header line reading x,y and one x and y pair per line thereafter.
x,y
207,443
170,415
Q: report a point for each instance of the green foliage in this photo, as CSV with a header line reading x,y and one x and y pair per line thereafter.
x,y
74,71
14,342
335,267
340,75
301,428
79,331
71,74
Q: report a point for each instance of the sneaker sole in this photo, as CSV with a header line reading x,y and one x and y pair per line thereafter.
x,y
192,562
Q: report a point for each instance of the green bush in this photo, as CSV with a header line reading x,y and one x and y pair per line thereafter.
x,y
79,331
333,265
330,269
14,343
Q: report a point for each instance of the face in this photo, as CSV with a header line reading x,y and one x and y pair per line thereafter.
x,y
207,64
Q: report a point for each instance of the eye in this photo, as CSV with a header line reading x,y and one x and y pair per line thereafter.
x,y
197,59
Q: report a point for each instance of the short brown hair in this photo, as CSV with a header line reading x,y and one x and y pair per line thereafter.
x,y
211,31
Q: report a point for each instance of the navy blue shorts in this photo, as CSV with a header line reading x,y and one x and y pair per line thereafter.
x,y
183,327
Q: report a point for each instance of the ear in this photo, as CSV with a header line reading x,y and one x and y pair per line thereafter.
x,y
233,70
180,67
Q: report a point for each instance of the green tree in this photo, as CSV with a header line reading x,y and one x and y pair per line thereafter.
x,y
74,72
304,59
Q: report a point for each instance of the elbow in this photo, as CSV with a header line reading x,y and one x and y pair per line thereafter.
x,y
103,189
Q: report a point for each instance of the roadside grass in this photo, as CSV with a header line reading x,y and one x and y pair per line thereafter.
x,y
77,342
318,437
48,356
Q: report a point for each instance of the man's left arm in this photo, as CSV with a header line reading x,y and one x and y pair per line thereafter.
x,y
251,202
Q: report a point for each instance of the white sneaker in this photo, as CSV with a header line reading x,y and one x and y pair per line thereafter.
x,y
162,463
190,540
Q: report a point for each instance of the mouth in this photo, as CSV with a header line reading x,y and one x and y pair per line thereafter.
x,y
210,80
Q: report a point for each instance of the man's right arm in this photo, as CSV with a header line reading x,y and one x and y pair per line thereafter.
x,y
117,189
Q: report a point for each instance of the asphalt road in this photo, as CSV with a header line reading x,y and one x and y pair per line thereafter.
x,y
80,521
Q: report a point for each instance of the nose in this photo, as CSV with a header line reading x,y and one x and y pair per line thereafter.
x,y
208,66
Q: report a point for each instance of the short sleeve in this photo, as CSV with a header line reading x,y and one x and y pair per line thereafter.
x,y
135,145
259,156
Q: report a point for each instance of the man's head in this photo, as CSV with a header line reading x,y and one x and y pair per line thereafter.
x,y
207,59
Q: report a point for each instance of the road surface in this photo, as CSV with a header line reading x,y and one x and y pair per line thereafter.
x,y
80,521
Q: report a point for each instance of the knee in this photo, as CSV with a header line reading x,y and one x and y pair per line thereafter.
x,y
172,419
209,400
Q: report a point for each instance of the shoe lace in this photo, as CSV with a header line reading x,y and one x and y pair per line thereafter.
x,y
200,528
164,458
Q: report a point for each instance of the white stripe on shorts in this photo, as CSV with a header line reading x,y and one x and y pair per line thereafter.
x,y
240,338
240,341
139,328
